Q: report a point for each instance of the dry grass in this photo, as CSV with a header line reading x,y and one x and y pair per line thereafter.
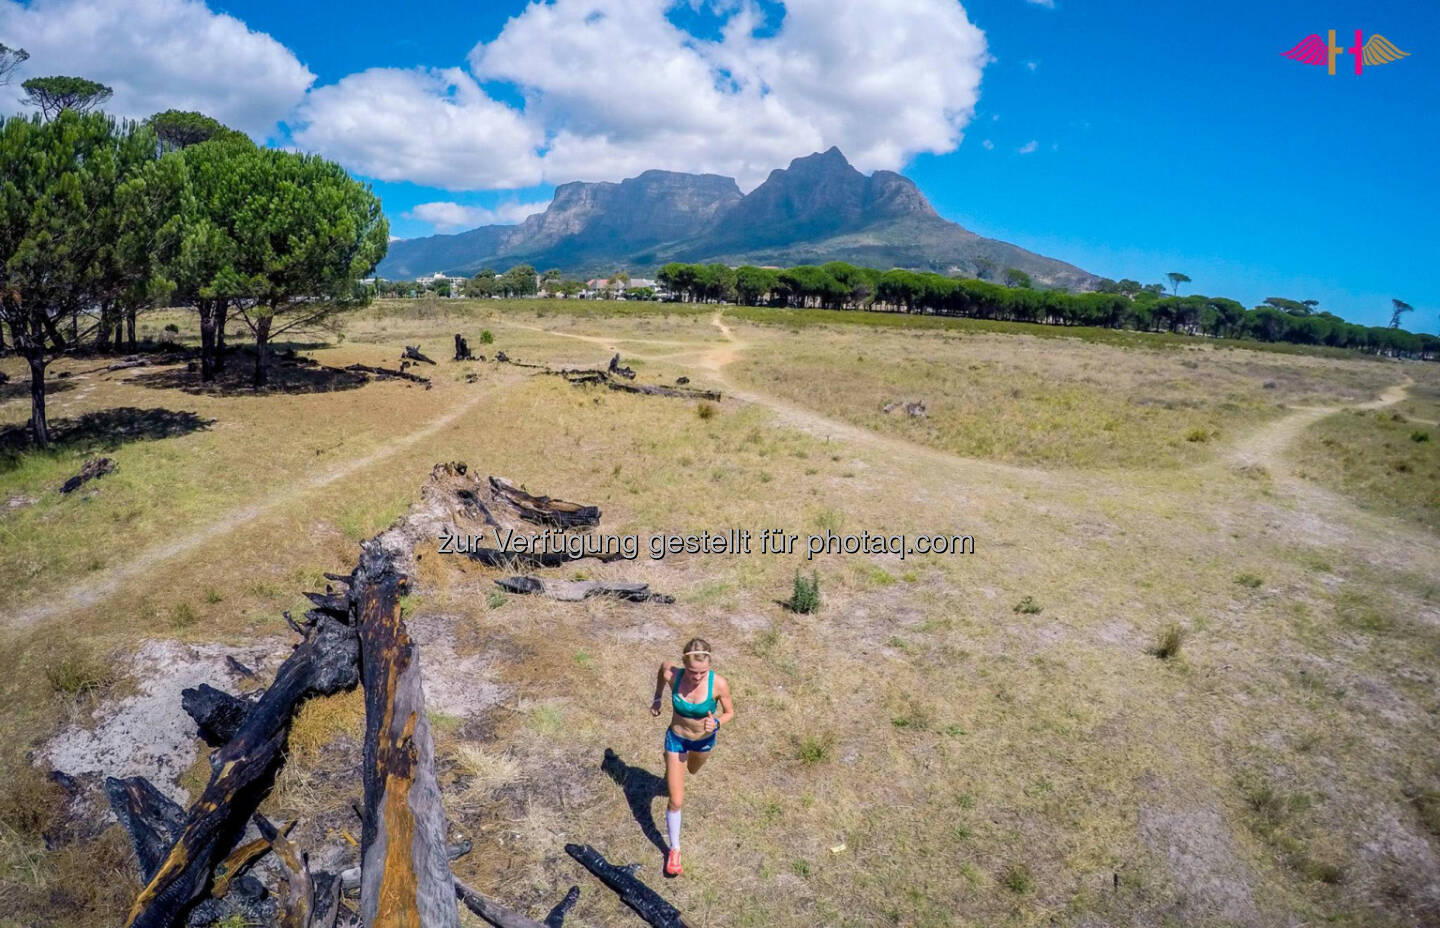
x,y
1374,458
919,751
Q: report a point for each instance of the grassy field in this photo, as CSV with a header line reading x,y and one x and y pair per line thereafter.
x,y
1181,681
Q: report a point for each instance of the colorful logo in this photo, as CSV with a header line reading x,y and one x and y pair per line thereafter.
x,y
1315,50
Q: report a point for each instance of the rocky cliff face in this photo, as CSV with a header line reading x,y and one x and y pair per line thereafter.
x,y
817,197
818,209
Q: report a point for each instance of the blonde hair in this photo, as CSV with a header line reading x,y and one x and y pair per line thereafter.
x,y
696,644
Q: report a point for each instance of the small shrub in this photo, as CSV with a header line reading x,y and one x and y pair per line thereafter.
x,y
815,749
1017,879
1197,435
1167,643
1028,606
806,597
497,599
1400,467
1249,581
1325,872
706,410
182,615
172,328
487,337
212,596
79,673
1419,436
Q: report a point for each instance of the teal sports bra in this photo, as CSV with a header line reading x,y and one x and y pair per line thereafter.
x,y
693,710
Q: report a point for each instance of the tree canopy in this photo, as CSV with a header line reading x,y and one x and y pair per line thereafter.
x,y
177,129
54,94
10,59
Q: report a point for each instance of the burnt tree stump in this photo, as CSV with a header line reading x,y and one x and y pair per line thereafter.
x,y
324,662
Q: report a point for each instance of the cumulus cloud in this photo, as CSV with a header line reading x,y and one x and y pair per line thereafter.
x,y
1032,65
447,216
430,126
613,87
1028,147
159,55
988,145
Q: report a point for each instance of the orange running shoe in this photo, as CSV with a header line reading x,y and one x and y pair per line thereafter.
x,y
672,863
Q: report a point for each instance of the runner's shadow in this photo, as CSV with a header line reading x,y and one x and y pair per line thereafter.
x,y
641,787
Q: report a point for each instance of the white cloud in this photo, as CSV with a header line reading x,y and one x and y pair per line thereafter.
x,y
988,145
159,55
612,88
431,126
1032,65
449,216
1028,147
1047,4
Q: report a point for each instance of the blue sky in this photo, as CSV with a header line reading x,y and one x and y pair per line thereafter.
x,y
1130,139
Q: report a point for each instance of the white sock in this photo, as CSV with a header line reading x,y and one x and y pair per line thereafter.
x,y
672,825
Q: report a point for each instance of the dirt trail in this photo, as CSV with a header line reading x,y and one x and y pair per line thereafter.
x,y
107,583
1266,447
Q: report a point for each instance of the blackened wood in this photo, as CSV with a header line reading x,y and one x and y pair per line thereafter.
x,y
218,714
412,352
331,603
383,373
556,918
405,876
492,911
297,899
325,662
462,349
93,468
234,866
238,667
616,369
152,819
543,510
643,900
571,591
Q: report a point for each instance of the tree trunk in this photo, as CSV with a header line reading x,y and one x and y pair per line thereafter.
x,y
38,430
405,871
102,331
262,350
207,339
222,313
130,327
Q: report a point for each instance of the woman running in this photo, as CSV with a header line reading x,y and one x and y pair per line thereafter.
x,y
695,694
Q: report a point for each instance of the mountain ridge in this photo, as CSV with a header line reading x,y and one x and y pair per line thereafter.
x,y
818,209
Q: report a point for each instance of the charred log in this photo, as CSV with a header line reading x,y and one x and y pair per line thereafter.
x,y
619,371
324,662
405,872
93,468
218,714
386,373
556,918
412,353
462,349
492,911
543,510
573,591
641,898
151,818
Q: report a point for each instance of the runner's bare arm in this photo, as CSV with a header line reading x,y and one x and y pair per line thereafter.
x,y
660,677
722,695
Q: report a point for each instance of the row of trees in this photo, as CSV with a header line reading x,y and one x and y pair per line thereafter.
x,y
1116,304
99,218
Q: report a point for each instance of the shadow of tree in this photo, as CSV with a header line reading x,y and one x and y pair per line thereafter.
x,y
288,374
16,389
641,787
105,430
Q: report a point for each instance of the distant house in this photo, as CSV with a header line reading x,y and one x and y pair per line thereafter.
x,y
614,287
